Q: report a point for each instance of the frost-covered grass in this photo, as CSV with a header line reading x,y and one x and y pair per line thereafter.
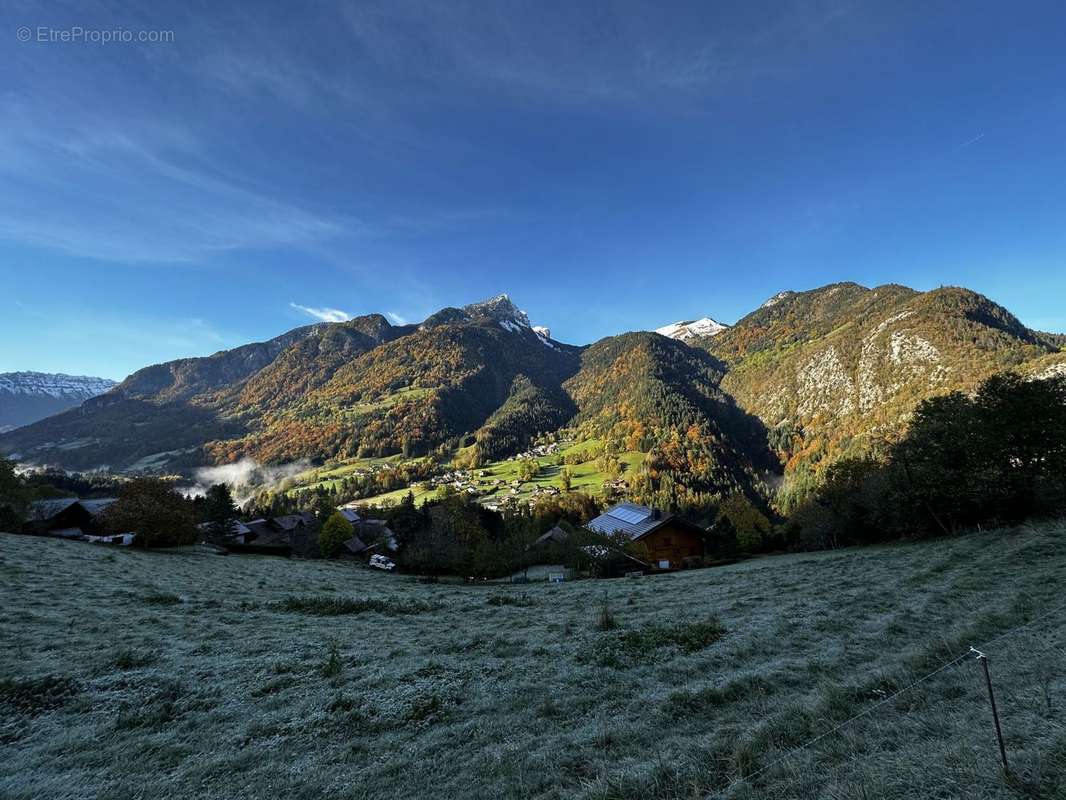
x,y
237,685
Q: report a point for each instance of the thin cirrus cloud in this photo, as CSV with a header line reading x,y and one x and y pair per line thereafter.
x,y
133,181
323,314
136,195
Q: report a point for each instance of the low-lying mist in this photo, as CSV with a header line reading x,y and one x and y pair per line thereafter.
x,y
245,478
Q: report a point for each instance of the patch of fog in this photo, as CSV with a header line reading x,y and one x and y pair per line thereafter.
x,y
245,478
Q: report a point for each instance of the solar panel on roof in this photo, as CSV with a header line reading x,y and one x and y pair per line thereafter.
x,y
631,515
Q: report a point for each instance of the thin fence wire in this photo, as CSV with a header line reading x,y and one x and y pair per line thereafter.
x,y
969,654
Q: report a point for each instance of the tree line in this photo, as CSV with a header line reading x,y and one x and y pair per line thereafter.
x,y
997,456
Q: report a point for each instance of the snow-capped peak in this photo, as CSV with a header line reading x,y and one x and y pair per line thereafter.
x,y
499,308
777,298
542,331
690,329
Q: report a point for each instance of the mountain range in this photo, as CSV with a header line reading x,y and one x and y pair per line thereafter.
x,y
807,377
26,397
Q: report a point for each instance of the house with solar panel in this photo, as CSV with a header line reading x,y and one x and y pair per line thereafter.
x,y
666,540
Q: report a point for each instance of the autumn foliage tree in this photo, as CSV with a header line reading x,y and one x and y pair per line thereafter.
x,y
336,530
155,512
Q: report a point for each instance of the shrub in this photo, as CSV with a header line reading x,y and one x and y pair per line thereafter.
x,y
335,532
605,621
332,666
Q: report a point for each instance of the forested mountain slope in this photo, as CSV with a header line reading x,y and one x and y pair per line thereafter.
x,y
804,379
836,369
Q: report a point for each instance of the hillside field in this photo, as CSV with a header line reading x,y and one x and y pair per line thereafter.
x,y
587,477
126,674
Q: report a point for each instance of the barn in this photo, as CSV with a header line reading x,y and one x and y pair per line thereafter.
x,y
666,540
68,517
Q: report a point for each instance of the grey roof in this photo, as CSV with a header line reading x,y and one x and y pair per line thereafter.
x,y
258,526
46,509
556,534
96,505
267,537
629,519
355,545
378,529
237,528
350,514
41,510
291,521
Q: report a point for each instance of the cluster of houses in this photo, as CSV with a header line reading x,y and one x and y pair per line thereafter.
x,y
297,535
459,479
637,539
483,484
283,535
663,542
539,451
280,536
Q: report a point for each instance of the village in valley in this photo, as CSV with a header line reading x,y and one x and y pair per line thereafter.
x,y
625,539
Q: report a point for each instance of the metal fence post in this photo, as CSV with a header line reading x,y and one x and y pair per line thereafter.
x,y
995,713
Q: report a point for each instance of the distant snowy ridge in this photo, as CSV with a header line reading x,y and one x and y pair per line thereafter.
x,y
691,329
58,385
26,397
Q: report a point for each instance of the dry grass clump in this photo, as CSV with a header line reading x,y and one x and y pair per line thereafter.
x,y
629,647
320,606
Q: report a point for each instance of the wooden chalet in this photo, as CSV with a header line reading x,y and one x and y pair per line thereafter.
x,y
666,541
67,517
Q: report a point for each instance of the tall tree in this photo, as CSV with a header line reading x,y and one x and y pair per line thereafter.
x,y
151,509
13,497
220,512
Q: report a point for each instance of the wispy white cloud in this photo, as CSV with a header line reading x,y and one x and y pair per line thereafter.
x,y
396,319
134,189
323,314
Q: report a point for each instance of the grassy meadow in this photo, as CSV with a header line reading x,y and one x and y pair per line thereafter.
x,y
126,674
587,477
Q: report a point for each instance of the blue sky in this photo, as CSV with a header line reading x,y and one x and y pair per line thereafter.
x,y
612,166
